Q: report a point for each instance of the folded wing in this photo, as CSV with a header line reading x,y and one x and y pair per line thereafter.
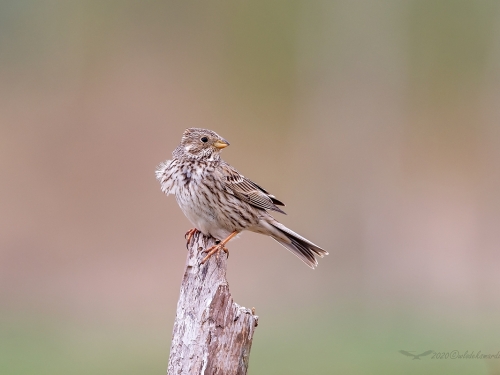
x,y
248,191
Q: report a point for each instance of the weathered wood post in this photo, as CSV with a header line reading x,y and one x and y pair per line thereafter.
x,y
212,334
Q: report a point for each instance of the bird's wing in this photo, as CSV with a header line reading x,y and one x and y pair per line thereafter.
x,y
426,353
406,353
248,191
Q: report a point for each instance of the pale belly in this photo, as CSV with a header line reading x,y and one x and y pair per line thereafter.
x,y
202,216
204,213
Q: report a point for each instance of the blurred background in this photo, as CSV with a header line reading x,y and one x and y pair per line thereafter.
x,y
376,122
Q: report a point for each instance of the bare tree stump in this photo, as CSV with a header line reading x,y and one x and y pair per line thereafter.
x,y
212,334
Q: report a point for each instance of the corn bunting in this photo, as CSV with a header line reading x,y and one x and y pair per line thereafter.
x,y
221,202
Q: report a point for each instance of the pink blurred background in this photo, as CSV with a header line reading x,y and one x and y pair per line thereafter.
x,y
377,123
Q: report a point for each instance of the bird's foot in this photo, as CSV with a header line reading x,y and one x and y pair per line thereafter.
x,y
214,249
219,245
189,234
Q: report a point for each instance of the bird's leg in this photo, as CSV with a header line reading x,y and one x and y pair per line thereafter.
x,y
189,234
220,246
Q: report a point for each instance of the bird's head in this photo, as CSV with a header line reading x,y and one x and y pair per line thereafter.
x,y
201,144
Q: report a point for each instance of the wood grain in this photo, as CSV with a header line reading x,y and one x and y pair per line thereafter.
x,y
212,334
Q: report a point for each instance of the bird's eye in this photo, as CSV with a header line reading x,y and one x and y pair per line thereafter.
x,y
204,139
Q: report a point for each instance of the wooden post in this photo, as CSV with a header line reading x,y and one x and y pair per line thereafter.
x,y
212,334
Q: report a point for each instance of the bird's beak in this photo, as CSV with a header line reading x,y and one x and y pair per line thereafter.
x,y
221,143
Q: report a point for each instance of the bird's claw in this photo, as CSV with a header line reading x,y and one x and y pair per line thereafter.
x,y
214,249
189,234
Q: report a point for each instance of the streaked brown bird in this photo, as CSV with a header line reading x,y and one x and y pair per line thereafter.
x,y
221,202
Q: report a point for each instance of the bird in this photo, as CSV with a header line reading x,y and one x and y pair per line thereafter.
x,y
220,202
416,356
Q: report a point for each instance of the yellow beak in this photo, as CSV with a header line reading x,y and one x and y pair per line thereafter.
x,y
221,143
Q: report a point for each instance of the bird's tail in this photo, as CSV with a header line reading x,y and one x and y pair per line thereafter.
x,y
297,244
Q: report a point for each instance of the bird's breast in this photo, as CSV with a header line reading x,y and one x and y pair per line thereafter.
x,y
204,200
197,199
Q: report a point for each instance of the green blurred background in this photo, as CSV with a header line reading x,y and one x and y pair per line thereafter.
x,y
377,122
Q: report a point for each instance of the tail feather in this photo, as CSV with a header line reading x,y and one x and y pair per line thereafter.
x,y
298,245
